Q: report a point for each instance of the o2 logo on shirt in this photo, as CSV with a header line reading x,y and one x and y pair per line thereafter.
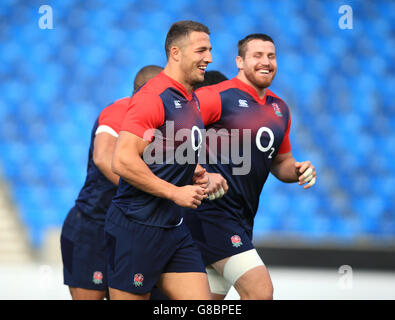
x,y
180,146
196,133
269,146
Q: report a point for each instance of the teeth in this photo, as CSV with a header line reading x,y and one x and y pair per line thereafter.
x,y
202,68
264,71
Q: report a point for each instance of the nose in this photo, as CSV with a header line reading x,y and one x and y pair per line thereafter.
x,y
208,58
265,60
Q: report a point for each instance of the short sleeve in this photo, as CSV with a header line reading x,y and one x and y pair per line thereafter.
x,y
111,118
286,143
145,114
210,104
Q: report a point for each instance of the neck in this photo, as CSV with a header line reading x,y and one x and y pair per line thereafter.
x,y
176,74
260,91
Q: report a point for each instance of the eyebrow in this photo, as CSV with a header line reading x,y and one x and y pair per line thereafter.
x,y
205,48
261,52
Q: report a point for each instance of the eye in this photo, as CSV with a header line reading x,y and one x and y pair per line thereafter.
x,y
203,49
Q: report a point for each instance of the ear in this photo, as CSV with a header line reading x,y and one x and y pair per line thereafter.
x,y
239,62
175,53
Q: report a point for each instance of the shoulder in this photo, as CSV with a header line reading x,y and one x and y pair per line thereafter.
x,y
116,106
154,87
146,99
150,93
115,110
144,106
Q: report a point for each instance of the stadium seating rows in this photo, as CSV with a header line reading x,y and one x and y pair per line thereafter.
x,y
338,84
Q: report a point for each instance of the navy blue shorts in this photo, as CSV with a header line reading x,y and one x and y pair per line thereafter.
x,y
83,252
217,235
138,254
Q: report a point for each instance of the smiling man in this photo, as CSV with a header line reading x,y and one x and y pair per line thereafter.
x,y
223,228
147,242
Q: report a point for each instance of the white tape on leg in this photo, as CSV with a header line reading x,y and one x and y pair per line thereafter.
x,y
240,263
218,284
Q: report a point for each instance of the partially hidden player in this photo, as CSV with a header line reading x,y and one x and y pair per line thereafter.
x,y
82,237
217,186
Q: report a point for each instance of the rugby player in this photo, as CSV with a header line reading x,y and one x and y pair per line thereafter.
x,y
244,114
82,237
147,241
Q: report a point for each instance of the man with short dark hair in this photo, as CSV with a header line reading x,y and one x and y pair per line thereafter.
x,y
147,241
144,75
82,238
255,123
211,77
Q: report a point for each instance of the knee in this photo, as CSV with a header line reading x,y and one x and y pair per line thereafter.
x,y
258,293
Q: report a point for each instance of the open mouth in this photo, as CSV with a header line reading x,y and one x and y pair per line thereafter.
x,y
202,69
264,71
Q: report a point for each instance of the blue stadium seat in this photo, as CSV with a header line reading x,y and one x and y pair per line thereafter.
x,y
338,85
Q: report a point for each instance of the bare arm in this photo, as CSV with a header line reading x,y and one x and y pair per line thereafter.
x,y
127,162
287,169
103,149
283,167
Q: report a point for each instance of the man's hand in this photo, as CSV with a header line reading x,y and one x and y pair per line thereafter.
x,y
306,173
201,177
217,187
189,196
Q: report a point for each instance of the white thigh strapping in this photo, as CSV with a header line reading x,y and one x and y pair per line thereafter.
x,y
218,284
240,263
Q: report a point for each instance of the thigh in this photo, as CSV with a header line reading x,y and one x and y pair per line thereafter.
x,y
217,235
116,294
185,285
137,254
184,276
255,284
83,254
186,257
247,272
87,294
219,286
135,258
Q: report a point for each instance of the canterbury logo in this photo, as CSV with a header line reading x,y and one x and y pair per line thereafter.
x,y
177,104
243,103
